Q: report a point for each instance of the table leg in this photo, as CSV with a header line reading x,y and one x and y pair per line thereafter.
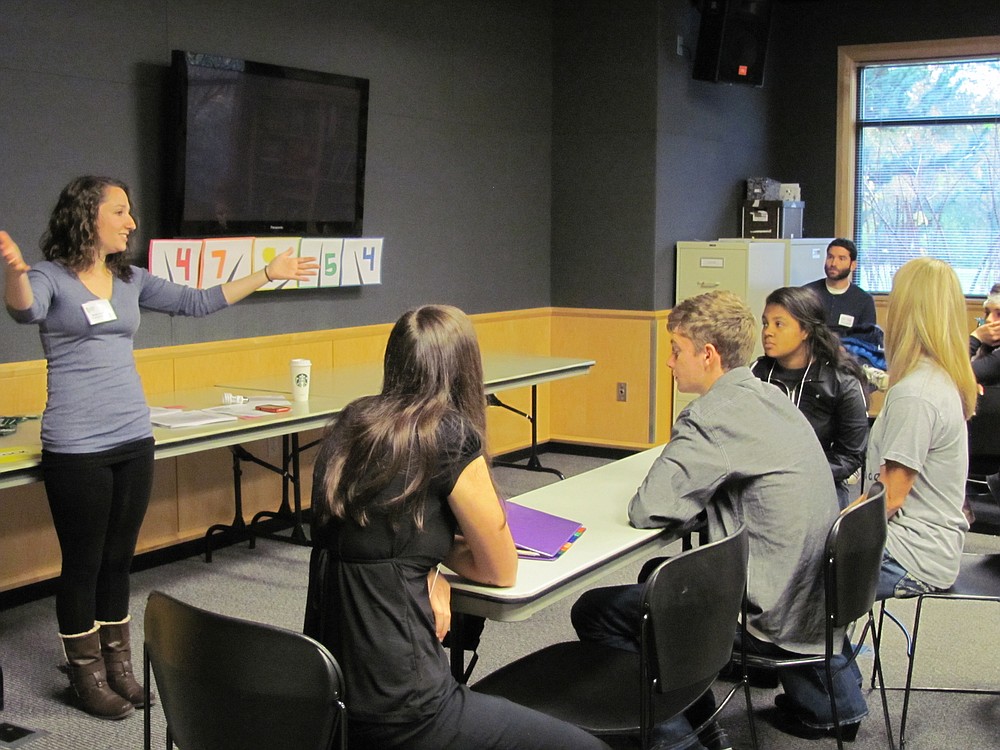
x,y
533,464
291,513
238,527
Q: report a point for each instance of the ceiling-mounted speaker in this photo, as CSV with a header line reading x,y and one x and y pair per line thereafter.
x,y
732,41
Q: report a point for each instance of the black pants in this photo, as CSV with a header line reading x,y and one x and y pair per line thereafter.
x,y
474,721
98,501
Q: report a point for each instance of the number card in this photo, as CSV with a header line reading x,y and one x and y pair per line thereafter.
x,y
178,261
225,259
362,262
327,252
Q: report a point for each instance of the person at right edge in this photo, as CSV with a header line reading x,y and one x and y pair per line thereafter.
x,y
984,342
743,453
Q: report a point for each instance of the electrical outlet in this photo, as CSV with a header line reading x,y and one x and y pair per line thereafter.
x,y
621,392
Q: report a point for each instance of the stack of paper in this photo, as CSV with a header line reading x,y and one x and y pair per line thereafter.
x,y
184,418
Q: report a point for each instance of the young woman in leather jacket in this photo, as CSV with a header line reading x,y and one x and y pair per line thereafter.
x,y
803,358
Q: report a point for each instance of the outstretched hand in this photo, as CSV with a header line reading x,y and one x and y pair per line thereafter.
x,y
287,266
11,254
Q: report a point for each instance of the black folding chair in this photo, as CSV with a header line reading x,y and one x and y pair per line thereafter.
x,y
690,605
978,580
852,563
230,684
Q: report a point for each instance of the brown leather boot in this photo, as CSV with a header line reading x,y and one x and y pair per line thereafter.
x,y
116,646
87,677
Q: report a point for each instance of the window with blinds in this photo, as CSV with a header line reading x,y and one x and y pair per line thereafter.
x,y
927,173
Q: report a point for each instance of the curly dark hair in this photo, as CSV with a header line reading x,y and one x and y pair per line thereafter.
x,y
71,237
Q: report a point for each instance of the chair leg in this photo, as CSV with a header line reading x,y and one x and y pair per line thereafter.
x,y
911,656
877,669
833,698
146,729
877,637
750,717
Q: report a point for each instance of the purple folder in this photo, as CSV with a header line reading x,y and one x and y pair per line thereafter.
x,y
540,535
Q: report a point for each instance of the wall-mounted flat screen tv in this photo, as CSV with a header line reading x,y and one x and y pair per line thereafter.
x,y
264,149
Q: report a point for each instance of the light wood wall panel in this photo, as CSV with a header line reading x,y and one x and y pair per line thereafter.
x,y
664,388
361,346
586,409
29,551
22,388
521,332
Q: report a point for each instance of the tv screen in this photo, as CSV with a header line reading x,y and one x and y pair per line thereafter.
x,y
266,149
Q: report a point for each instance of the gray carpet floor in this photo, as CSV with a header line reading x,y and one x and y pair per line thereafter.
x,y
959,647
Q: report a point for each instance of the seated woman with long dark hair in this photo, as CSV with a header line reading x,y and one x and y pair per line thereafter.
x,y
803,358
403,483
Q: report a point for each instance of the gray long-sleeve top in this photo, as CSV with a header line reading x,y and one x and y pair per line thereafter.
x,y
746,454
95,397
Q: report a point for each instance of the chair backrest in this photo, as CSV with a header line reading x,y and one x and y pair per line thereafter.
x,y
854,558
229,683
691,605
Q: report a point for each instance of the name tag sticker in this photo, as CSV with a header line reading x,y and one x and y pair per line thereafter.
x,y
98,311
845,320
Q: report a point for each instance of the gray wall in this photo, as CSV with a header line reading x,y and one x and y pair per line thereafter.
x,y
643,155
459,141
522,153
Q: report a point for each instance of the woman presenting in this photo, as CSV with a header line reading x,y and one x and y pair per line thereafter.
x,y
97,439
401,484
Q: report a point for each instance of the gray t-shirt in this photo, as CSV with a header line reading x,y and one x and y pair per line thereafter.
x,y
745,453
95,397
921,426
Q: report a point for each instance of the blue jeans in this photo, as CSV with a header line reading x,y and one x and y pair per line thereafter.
x,y
895,582
611,616
807,690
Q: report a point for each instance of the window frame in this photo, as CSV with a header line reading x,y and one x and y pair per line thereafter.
x,y
852,57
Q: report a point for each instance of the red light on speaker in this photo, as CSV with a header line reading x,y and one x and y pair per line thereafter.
x,y
742,70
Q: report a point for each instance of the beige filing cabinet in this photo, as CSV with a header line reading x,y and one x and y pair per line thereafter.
x,y
805,260
751,269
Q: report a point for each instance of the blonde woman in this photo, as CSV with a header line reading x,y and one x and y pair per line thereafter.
x,y
918,446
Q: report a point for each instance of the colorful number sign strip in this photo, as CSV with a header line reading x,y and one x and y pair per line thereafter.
x,y
209,262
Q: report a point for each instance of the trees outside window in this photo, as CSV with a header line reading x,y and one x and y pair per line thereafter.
x,y
922,162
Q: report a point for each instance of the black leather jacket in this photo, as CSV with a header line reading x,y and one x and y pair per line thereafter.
x,y
834,403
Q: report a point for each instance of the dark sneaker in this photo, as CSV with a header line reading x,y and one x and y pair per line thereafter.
x,y
785,720
714,737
